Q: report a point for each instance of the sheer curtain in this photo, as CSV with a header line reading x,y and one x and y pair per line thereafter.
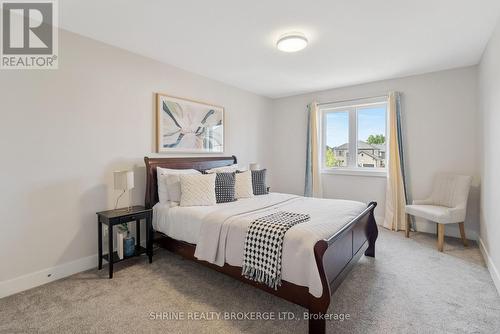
x,y
313,176
396,194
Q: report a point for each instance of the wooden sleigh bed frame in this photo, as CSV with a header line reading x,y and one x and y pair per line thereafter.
x,y
334,256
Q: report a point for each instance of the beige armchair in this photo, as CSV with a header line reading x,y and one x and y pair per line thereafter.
x,y
446,205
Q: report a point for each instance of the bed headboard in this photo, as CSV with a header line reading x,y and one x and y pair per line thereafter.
x,y
199,163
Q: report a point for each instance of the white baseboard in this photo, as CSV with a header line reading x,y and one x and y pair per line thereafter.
x,y
495,274
44,276
48,275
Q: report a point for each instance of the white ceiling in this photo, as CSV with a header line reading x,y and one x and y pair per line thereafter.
x,y
351,41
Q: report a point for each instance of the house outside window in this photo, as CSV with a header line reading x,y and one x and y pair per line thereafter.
x,y
354,137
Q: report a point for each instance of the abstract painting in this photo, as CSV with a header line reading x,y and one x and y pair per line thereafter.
x,y
189,126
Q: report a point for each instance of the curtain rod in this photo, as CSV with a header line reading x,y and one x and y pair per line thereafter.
x,y
350,100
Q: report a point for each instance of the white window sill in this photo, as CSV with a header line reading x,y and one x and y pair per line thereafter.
x,y
356,172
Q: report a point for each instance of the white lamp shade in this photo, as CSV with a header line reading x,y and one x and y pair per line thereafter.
x,y
254,166
124,179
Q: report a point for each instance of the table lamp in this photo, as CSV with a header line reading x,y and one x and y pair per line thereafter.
x,y
254,166
124,181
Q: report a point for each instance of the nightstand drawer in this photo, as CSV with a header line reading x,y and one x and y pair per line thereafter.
x,y
129,218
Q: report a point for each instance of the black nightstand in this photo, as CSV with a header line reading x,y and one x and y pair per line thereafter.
x,y
120,216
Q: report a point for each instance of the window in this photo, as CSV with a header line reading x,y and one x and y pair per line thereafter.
x,y
354,136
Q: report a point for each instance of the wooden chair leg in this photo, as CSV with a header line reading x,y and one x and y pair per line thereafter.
x,y
440,237
462,234
407,226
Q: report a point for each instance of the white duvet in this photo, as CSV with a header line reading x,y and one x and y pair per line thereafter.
x,y
219,231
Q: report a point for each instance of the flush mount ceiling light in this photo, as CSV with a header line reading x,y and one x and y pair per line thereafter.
x,y
292,42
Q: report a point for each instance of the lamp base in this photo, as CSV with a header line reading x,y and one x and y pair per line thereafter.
x,y
126,209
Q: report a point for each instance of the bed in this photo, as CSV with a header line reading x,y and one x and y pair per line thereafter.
x,y
339,233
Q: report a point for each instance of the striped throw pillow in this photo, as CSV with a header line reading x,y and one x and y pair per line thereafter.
x,y
259,182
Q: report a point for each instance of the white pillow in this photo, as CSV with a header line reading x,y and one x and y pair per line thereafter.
x,y
243,187
161,174
197,190
225,169
174,187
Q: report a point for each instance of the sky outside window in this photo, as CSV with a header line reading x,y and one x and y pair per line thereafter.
x,y
337,128
371,121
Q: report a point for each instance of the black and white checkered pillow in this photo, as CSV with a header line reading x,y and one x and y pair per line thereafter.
x,y
259,182
224,187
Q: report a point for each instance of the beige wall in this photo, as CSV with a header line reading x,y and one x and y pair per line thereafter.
x,y
440,126
63,132
489,101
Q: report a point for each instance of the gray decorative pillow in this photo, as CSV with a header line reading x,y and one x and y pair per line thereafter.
x,y
259,182
224,187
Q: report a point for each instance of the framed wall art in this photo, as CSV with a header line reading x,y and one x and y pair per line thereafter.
x,y
187,126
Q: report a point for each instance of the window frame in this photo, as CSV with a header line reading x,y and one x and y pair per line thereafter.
x,y
351,107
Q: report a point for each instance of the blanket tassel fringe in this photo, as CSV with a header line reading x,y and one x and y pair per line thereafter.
x,y
261,277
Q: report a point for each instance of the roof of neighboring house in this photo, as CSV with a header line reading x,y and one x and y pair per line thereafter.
x,y
362,145
381,147
370,155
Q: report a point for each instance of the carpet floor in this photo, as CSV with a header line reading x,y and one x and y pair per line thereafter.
x,y
408,288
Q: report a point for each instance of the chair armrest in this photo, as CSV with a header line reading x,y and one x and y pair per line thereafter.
x,y
427,201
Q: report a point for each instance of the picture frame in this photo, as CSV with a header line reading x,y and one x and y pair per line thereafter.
x,y
188,126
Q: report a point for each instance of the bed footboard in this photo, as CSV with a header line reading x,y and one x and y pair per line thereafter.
x,y
335,257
